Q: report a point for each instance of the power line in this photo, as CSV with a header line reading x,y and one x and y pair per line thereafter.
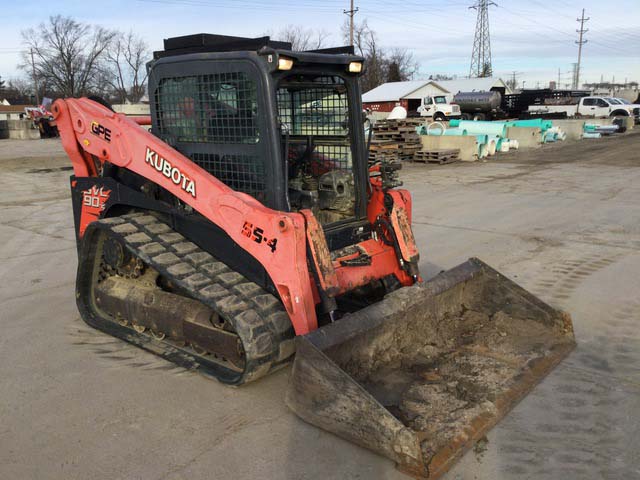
x,y
242,4
532,21
580,42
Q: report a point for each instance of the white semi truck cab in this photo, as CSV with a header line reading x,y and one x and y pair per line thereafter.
x,y
439,108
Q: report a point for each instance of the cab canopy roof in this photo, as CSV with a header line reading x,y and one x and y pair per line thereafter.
x,y
208,43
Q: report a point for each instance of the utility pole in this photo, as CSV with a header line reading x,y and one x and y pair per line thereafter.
x,y
513,84
558,87
351,12
35,79
481,55
580,42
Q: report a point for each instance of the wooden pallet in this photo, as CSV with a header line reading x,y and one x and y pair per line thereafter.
x,y
400,133
384,148
379,156
437,156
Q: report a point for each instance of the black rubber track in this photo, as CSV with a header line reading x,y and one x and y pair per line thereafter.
x,y
256,316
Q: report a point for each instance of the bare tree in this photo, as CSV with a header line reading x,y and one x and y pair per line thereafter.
x,y
19,91
377,59
441,76
393,72
126,58
302,38
512,83
364,44
67,54
401,65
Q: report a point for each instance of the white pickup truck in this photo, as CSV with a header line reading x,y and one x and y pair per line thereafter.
x,y
588,107
439,108
634,106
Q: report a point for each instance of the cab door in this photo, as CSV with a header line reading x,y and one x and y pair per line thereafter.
x,y
428,107
588,106
603,109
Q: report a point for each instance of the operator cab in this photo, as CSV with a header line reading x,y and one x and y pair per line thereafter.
x,y
284,127
313,111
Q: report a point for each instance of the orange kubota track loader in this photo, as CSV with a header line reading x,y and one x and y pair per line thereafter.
x,y
247,226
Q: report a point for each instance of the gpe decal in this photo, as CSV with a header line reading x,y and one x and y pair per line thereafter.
x,y
101,131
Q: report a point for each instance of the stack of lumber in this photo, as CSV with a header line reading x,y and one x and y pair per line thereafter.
x,y
438,156
396,138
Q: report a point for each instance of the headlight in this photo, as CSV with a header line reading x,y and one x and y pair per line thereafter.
x,y
355,67
285,63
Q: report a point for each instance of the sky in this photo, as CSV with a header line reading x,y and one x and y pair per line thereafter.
x,y
534,38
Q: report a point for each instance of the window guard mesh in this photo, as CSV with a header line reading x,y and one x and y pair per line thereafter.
x,y
313,112
215,109
317,108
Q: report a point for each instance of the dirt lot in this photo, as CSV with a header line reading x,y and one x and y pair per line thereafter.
x,y
563,221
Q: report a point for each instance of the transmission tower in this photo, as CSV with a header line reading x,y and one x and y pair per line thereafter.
x,y
481,56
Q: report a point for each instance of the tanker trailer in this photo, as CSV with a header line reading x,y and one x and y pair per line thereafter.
x,y
479,105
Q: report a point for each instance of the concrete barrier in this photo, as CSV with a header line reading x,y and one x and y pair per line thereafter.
x,y
22,130
572,127
4,129
527,137
467,145
629,121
